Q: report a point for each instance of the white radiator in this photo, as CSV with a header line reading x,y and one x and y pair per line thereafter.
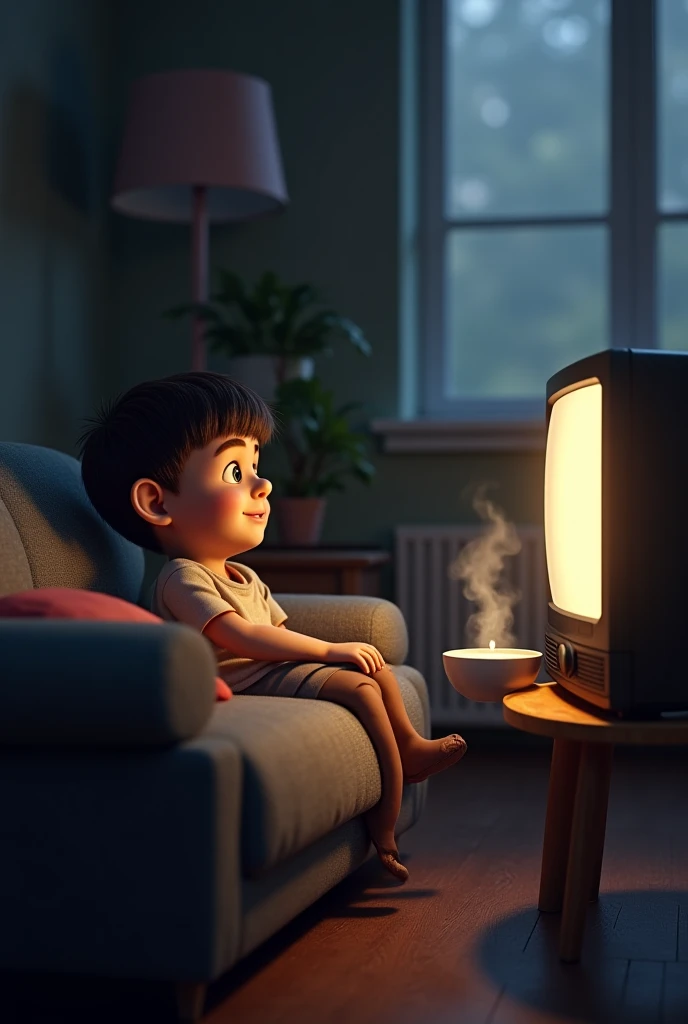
x,y
436,610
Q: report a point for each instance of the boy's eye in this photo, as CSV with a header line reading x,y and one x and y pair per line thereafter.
x,y
232,473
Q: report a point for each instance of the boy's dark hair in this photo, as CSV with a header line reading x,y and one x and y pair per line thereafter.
x,y
151,430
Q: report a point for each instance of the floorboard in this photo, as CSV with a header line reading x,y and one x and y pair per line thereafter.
x,y
643,993
675,996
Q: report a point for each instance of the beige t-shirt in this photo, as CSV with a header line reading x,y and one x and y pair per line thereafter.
x,y
185,591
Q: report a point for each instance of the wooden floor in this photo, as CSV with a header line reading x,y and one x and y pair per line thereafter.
x,y
463,942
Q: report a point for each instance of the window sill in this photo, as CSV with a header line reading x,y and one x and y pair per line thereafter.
x,y
450,436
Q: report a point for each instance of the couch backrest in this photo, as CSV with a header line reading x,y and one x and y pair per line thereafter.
x,y
50,534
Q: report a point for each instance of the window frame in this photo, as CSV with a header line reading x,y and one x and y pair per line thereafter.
x,y
631,220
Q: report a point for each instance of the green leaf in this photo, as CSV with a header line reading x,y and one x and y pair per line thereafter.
x,y
276,319
320,444
348,407
231,290
295,303
349,330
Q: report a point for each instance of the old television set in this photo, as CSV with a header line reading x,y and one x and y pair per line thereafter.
x,y
616,530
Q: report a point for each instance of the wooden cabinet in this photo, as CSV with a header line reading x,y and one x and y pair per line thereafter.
x,y
315,570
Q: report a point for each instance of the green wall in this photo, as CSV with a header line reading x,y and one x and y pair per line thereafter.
x,y
53,246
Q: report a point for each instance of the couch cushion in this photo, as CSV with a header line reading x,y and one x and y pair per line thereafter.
x,y
71,603
65,541
309,766
339,618
15,573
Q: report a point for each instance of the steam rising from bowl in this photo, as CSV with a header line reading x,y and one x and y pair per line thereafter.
x,y
480,565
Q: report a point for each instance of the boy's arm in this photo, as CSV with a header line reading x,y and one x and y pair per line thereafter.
x,y
264,643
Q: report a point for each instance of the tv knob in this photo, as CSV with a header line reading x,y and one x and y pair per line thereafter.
x,y
566,656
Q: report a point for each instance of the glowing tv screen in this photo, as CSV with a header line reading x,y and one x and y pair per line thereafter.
x,y
573,502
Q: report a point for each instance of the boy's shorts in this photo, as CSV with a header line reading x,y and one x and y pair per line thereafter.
x,y
294,679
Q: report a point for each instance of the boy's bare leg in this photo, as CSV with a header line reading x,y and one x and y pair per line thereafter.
x,y
358,693
418,755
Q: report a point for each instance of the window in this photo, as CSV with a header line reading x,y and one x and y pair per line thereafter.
x,y
551,194
672,216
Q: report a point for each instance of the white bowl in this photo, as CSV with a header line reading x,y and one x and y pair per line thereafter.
x,y
478,673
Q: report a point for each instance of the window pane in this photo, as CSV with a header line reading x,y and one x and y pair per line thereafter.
x,y
672,84
521,304
673,293
526,107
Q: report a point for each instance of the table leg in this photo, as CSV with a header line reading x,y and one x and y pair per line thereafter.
x,y
351,581
584,854
563,777
600,826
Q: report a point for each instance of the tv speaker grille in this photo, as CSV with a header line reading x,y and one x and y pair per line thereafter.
x,y
590,668
551,660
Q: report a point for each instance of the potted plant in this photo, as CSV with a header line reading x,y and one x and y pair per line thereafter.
x,y
321,450
271,333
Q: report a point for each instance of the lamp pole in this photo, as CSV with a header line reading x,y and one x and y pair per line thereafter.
x,y
199,273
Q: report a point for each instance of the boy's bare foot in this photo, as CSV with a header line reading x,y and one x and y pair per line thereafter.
x,y
433,756
390,860
384,842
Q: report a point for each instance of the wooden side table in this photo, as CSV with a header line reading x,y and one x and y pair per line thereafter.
x,y
315,570
578,795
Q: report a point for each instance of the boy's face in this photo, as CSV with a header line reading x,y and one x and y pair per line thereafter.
x,y
222,506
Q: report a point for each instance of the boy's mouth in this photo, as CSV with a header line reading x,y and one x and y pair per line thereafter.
x,y
258,516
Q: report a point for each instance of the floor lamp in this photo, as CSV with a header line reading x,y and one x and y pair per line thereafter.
x,y
199,147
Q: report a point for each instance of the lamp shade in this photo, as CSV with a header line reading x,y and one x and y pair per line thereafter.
x,y
209,128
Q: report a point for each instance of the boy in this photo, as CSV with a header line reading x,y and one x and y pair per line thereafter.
x,y
172,465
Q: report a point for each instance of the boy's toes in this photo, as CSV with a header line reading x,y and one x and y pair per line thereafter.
x,y
451,749
390,859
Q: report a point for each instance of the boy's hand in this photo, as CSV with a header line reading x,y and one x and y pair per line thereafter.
x,y
367,657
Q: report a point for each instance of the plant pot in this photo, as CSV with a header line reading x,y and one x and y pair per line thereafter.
x,y
294,367
299,520
263,373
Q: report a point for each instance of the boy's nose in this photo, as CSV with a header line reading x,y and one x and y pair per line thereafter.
x,y
263,487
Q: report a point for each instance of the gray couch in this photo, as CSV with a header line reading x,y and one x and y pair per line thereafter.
x,y
147,831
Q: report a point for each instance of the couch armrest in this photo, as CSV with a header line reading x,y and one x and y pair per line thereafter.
x,y
342,619
67,682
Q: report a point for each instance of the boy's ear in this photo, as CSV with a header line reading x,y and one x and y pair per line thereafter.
x,y
147,500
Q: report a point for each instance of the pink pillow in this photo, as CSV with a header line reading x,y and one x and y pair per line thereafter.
x,y
69,603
